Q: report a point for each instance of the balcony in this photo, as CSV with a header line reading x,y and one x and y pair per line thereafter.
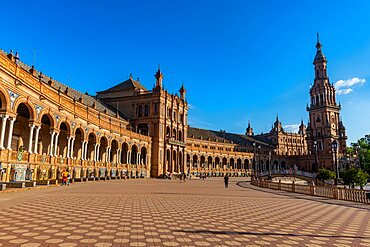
x,y
175,142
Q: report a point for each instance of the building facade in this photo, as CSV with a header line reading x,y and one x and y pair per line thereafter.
x,y
47,127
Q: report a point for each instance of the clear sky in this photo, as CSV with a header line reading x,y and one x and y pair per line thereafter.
x,y
239,60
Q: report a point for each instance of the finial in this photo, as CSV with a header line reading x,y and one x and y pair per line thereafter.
x,y
318,37
277,117
318,44
131,76
249,123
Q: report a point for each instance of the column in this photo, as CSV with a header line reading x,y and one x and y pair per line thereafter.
x,y
128,157
36,139
95,148
10,134
3,127
72,147
117,156
68,146
138,159
51,143
32,127
86,148
56,144
82,150
98,153
107,154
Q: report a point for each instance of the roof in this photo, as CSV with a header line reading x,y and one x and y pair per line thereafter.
x,y
127,85
74,94
226,137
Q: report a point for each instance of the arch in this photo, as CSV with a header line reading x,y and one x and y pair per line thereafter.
x,y
246,164
180,136
174,134
224,162
4,98
79,138
64,134
146,111
23,100
113,157
232,163
51,118
44,142
168,132
143,156
209,160
275,165
124,152
239,164
217,162
195,161
188,160
174,161
134,152
21,130
181,161
168,161
202,161
91,141
102,155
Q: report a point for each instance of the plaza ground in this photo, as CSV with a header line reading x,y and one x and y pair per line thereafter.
x,y
152,212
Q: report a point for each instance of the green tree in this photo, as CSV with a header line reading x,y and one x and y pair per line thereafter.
x,y
354,176
325,174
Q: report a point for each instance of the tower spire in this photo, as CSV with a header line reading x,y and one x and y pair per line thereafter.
x,y
158,77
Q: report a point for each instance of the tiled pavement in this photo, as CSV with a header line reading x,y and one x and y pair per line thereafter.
x,y
168,213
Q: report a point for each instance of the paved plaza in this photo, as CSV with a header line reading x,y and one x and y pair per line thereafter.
x,y
156,212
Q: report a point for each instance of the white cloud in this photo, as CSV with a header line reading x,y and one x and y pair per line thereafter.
x,y
292,128
344,91
346,86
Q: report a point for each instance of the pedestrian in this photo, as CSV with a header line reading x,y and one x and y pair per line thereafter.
x,y
125,177
64,177
226,180
183,176
68,178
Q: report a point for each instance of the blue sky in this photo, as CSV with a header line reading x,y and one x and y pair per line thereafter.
x,y
240,60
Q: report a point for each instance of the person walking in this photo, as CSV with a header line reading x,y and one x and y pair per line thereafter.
x,y
64,177
226,180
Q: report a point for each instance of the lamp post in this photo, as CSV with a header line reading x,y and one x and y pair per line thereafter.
x,y
335,149
254,160
269,163
316,163
259,158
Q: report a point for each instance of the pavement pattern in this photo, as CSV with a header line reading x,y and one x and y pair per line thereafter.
x,y
152,212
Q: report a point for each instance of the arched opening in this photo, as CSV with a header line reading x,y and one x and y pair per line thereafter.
x,y
283,165
209,161
103,149
143,156
79,138
91,147
174,161
113,152
239,164
276,165
224,163
124,153
21,130
2,101
168,161
202,161
246,164
168,132
47,126
187,161
180,136
174,134
134,151
217,162
195,161
146,111
62,145
232,163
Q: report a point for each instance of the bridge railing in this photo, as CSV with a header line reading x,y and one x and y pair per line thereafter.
x,y
288,172
354,195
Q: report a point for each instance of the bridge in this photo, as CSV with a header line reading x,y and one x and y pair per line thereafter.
x,y
307,176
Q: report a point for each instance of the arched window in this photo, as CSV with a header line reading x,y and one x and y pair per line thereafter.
x,y
146,111
140,111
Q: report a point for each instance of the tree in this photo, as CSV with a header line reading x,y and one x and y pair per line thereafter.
x,y
325,174
355,176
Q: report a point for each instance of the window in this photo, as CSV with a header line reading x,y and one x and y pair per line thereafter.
x,y
146,111
140,111
155,108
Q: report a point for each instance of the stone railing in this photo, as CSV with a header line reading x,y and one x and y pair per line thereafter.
x,y
288,172
321,191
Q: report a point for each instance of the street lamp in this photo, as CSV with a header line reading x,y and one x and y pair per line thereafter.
x,y
335,149
254,159
259,158
315,147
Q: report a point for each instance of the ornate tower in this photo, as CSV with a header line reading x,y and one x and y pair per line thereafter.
x,y
324,120
249,130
